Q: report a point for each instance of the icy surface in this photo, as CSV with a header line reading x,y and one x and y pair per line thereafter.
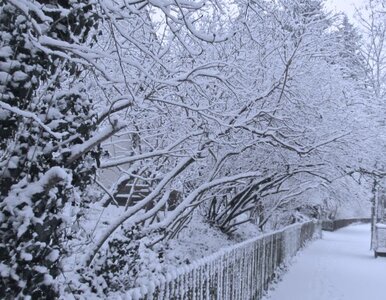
x,y
338,267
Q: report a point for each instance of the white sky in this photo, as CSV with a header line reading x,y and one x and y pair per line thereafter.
x,y
346,6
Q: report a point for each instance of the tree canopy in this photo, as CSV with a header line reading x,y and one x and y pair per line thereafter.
x,y
240,110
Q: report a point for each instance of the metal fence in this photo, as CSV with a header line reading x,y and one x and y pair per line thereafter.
x,y
240,272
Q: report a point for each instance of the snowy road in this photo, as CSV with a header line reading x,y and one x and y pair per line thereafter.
x,y
338,267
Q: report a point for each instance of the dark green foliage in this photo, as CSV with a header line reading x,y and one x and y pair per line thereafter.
x,y
120,260
36,179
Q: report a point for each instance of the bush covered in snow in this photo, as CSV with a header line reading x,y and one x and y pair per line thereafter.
x,y
45,112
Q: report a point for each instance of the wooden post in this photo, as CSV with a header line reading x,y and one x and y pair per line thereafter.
x,y
374,214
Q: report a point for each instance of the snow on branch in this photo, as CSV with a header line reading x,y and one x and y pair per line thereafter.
x,y
26,7
79,149
131,216
185,9
373,173
194,194
30,115
130,159
134,209
285,144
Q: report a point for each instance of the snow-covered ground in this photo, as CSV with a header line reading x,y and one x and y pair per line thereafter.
x,y
338,267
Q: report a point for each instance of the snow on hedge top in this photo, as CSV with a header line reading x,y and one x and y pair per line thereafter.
x,y
380,225
24,191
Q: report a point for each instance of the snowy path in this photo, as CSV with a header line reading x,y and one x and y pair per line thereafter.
x,y
338,267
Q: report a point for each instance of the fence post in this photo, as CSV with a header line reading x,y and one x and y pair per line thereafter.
x,y
242,271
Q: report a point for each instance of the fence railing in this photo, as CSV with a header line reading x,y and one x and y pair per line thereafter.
x,y
332,225
240,272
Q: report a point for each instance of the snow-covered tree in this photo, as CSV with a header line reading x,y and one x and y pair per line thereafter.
x,y
239,109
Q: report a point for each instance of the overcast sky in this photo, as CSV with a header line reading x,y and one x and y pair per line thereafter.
x,y
347,6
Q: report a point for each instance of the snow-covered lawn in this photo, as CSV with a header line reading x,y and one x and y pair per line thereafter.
x,y
338,267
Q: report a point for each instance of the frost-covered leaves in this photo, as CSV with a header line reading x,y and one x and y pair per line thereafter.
x,y
32,76
30,235
120,257
125,262
44,111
